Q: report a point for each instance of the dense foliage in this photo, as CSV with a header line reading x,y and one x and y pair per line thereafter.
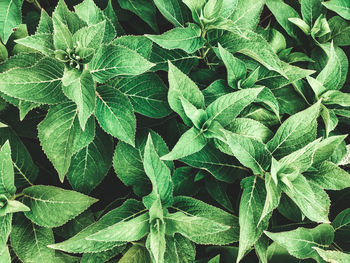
x,y
251,96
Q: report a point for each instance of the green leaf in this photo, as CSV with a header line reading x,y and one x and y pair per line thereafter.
x,y
282,12
111,15
217,190
188,39
250,212
5,229
180,85
115,60
103,256
141,44
332,75
236,69
60,135
52,206
115,114
300,242
229,106
92,15
5,254
250,152
7,184
341,7
195,6
142,8
45,23
174,11
196,208
79,243
336,97
179,249
67,17
136,254
43,42
126,231
295,132
311,10
90,36
80,88
39,83
254,46
326,148
192,227
62,37
273,197
247,13
147,94
312,200
330,177
91,164
11,17
333,255
25,170
160,176
339,31
29,241
190,142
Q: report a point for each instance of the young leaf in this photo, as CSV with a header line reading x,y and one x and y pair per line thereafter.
x,y
29,241
126,231
250,211
5,254
190,142
91,164
51,206
10,18
295,132
115,60
45,23
300,242
273,197
115,114
5,229
341,7
236,69
62,37
250,152
43,42
188,39
7,185
181,85
311,10
159,174
136,254
326,148
67,17
80,88
61,136
40,83
79,243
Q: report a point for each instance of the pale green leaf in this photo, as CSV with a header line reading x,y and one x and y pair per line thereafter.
x,y
79,243
188,39
60,135
326,148
141,44
247,13
115,114
190,142
10,17
103,256
333,256
29,241
40,83
90,36
67,17
62,37
330,177
312,200
80,88
341,7
273,196
311,10
43,42
300,242
159,174
126,231
7,178
136,254
250,211
5,254
51,206
5,228
250,152
45,23
181,85
115,60
336,97
295,132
